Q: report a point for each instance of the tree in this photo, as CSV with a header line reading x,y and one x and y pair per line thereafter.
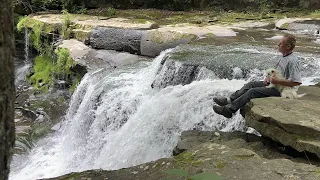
x,y
7,90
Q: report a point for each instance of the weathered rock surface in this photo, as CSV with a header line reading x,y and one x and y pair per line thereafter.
x,y
299,25
116,39
226,154
292,122
89,59
153,42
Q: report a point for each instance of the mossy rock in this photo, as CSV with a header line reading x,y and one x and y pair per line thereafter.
x,y
285,26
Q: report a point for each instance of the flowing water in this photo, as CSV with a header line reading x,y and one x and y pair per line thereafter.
x,y
23,67
117,120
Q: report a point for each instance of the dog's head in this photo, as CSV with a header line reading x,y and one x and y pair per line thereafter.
x,y
271,72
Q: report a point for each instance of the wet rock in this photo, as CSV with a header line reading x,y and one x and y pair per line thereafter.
x,y
28,113
174,73
21,98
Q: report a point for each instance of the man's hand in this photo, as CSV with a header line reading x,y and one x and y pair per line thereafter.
x,y
274,80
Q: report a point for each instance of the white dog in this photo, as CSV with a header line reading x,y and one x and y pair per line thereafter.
x,y
286,91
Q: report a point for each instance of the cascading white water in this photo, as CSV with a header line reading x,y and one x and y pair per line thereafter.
x,y
26,47
117,120
22,70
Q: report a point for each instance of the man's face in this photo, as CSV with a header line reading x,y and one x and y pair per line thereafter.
x,y
283,46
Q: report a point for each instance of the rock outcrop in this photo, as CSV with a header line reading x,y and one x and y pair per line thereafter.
x,y
89,59
227,155
292,122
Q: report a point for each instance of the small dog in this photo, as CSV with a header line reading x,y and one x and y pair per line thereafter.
x,y
286,91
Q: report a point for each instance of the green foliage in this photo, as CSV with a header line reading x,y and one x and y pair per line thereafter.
x,y
46,68
66,24
200,176
82,10
64,61
42,77
37,29
315,14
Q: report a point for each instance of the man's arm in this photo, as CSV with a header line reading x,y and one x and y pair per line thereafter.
x,y
284,82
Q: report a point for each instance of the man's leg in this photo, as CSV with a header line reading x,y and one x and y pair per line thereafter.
x,y
245,88
258,92
222,101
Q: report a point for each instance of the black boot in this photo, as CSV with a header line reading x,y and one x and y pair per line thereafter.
x,y
221,101
222,110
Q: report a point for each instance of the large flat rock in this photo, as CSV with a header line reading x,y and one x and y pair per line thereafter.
x,y
292,122
225,154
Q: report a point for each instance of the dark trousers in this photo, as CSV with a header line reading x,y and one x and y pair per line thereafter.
x,y
251,90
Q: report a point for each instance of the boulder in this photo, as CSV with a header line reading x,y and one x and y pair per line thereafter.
x,y
90,59
227,155
292,122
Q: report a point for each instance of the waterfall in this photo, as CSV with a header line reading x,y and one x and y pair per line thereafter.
x,y
26,47
116,119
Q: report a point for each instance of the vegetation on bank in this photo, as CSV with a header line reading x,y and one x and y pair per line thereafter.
x,y
50,66
48,69
31,6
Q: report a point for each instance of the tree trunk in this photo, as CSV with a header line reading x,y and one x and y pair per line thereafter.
x,y
7,90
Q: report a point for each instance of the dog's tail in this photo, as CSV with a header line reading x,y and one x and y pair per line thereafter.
x,y
301,95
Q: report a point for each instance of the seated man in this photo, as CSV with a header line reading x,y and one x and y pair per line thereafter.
x,y
288,65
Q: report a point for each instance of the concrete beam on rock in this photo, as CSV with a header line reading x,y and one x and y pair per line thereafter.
x,y
116,39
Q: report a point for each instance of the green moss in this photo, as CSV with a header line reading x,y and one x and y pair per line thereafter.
x,y
221,164
42,77
37,29
46,67
285,26
187,158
